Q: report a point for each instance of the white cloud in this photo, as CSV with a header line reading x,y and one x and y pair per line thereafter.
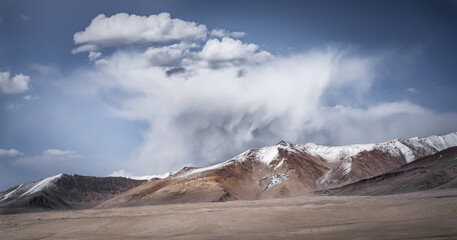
x,y
24,17
171,56
28,97
56,153
120,173
49,156
413,90
205,102
94,56
124,29
233,52
208,114
4,153
10,85
220,33
100,62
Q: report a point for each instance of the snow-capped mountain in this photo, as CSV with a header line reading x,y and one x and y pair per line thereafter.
x,y
284,170
341,157
63,191
438,171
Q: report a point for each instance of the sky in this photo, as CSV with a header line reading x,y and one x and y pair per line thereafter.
x,y
147,87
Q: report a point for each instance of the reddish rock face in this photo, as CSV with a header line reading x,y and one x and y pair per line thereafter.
x,y
438,171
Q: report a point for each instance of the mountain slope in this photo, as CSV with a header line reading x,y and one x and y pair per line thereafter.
x,y
63,192
283,170
438,171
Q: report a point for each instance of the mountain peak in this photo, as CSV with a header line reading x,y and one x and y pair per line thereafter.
x,y
283,143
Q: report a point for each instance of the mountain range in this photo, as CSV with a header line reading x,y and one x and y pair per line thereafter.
x,y
279,171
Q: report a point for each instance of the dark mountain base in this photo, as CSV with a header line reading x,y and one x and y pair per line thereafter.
x,y
66,192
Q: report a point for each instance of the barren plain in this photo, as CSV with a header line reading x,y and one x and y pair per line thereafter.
x,y
420,215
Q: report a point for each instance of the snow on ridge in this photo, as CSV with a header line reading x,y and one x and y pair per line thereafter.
x,y
442,142
414,148
8,195
204,169
337,153
122,173
41,184
267,154
149,177
411,149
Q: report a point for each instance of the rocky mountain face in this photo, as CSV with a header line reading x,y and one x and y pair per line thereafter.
x,y
282,170
63,192
438,171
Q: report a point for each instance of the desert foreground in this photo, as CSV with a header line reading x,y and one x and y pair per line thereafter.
x,y
422,215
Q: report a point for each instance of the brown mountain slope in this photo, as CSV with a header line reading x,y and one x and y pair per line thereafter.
x,y
283,170
438,171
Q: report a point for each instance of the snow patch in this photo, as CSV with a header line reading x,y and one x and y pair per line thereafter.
x,y
41,184
277,179
338,153
280,164
405,151
347,167
122,173
149,177
8,195
267,154
199,170
325,179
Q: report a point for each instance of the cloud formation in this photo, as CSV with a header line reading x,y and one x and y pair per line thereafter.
x,y
11,85
220,33
124,29
60,153
413,90
94,56
205,102
209,114
9,153
49,156
230,51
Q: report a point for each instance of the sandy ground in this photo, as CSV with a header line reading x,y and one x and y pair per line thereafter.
x,y
425,215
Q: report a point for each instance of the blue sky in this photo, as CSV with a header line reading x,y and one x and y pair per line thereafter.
x,y
120,93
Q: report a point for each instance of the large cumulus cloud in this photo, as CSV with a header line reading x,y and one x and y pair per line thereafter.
x,y
205,102
123,29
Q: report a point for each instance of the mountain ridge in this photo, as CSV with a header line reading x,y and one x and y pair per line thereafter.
x,y
437,171
282,170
